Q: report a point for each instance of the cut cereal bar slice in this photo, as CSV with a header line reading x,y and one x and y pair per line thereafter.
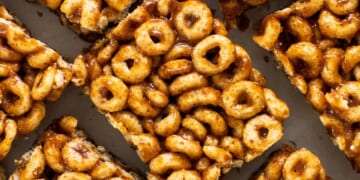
x,y
288,163
30,74
63,152
180,91
89,18
317,45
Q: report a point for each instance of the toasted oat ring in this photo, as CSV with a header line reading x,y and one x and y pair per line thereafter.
x,y
104,170
306,54
184,174
43,83
153,30
29,122
193,20
125,28
74,176
342,7
344,100
331,71
261,132
175,67
147,145
169,124
10,130
15,96
300,28
199,97
18,40
52,151
302,164
239,70
351,58
168,161
270,33
139,104
315,95
8,54
179,51
223,58
8,68
187,82
125,121
244,91
130,65
79,155
307,8
35,165
333,27
219,27
191,148
42,58
109,93
215,121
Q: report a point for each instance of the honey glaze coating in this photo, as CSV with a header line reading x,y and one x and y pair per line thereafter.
x,y
288,163
31,73
316,44
195,106
63,152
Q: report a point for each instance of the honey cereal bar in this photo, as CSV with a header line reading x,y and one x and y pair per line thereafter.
x,y
288,164
316,43
63,152
180,91
30,74
89,18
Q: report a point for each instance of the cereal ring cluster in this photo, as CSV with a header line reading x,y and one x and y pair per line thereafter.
x,y
317,44
89,17
63,152
289,164
233,9
30,73
180,91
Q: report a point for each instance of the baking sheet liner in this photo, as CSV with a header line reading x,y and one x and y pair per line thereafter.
x,y
303,128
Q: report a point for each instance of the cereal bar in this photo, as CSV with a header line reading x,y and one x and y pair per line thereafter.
x,y
180,91
317,44
63,152
30,74
89,18
288,164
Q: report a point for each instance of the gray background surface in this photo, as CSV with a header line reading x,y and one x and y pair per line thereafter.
x,y
303,127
